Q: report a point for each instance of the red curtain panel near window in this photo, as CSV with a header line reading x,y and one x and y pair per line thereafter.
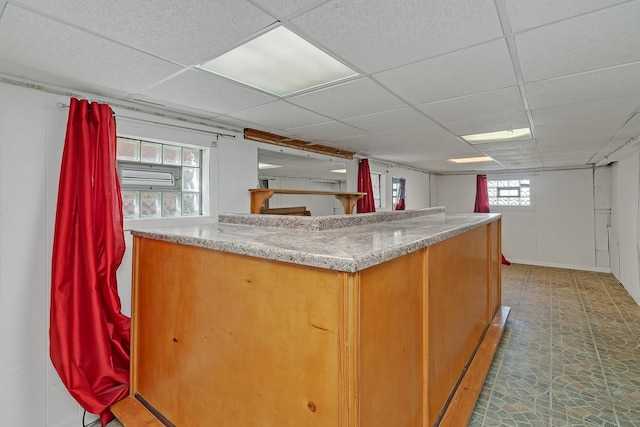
x,y
482,202
367,203
401,195
89,336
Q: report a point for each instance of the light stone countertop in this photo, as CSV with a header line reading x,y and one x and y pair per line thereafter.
x,y
381,237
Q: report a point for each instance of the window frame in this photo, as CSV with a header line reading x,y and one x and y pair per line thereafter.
x,y
204,195
515,177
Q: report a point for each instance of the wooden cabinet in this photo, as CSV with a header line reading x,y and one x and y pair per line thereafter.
x,y
221,339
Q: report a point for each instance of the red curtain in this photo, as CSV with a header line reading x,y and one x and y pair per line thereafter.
x,y
482,201
401,195
367,203
482,195
89,336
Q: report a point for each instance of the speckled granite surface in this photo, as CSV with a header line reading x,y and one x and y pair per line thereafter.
x,y
318,223
345,249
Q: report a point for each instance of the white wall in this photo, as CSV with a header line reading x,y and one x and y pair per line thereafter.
x,y
237,173
32,132
625,224
417,187
557,231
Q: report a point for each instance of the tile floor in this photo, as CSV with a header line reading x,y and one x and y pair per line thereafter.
x,y
570,354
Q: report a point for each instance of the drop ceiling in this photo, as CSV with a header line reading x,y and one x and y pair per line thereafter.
x,y
428,71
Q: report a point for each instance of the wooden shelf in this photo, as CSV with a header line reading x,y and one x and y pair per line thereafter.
x,y
260,195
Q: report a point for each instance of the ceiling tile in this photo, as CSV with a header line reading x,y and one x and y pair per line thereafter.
x,y
613,107
206,91
565,48
325,131
424,133
362,143
601,129
609,83
387,121
25,37
285,7
280,115
631,128
474,70
474,106
185,32
378,34
529,14
524,146
507,121
349,99
40,75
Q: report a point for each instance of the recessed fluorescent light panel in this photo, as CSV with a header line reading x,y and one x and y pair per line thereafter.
x,y
279,62
503,135
472,160
339,170
267,166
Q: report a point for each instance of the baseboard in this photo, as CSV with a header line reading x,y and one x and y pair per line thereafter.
x,y
90,420
565,266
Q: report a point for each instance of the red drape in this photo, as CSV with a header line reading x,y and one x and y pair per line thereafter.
x,y
89,336
367,203
482,202
401,195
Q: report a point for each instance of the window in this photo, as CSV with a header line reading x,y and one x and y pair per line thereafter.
x,y
375,183
509,192
395,190
159,180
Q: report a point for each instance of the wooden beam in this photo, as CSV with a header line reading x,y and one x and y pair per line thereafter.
x,y
272,138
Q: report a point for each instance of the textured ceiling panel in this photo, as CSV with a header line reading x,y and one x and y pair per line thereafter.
x,y
564,48
39,75
185,32
326,131
349,99
418,134
25,37
608,83
388,121
377,35
285,8
362,143
203,90
612,107
445,60
526,146
600,129
478,69
280,115
475,106
529,14
507,121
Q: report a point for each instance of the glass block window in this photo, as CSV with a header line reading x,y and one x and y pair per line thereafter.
x,y
509,192
159,180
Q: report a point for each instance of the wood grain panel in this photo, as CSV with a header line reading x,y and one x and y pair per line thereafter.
x,y
458,307
229,340
495,270
391,352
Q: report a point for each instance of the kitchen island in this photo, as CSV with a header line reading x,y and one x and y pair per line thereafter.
x,y
348,321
